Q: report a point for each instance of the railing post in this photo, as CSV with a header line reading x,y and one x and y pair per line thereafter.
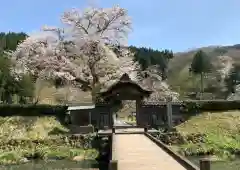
x,y
113,129
169,115
205,164
113,165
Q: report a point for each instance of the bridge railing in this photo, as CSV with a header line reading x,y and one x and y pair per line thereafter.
x,y
181,160
205,163
113,164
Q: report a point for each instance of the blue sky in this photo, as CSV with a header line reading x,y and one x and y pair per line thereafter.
x,y
161,24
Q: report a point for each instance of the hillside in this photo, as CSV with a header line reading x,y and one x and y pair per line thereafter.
x,y
183,59
178,73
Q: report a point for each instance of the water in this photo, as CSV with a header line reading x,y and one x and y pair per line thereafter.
x,y
219,165
93,165
57,165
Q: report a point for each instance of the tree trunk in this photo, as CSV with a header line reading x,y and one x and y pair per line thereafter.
x,y
202,88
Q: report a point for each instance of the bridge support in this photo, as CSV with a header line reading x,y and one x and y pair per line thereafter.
x,y
113,165
113,129
205,164
146,129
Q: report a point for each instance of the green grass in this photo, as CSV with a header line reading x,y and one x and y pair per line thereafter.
x,y
38,138
221,130
225,123
18,127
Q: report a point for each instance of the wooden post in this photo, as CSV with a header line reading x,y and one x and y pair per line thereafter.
x,y
113,165
146,129
205,164
90,118
96,129
169,114
137,111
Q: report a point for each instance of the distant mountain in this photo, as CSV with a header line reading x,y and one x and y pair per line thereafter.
x,y
183,59
179,77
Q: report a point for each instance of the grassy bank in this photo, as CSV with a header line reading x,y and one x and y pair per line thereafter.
x,y
211,134
25,138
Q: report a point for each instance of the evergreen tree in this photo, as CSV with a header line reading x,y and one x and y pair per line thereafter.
x,y
7,82
9,41
201,65
148,57
9,85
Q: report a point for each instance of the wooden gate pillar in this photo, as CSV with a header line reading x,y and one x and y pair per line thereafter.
x,y
169,115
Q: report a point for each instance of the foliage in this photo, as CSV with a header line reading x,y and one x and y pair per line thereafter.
x,y
233,79
26,88
90,49
220,132
197,106
149,57
7,81
32,110
191,107
222,58
10,40
32,138
200,64
10,83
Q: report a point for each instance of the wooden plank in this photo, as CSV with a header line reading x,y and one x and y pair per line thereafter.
x,y
137,152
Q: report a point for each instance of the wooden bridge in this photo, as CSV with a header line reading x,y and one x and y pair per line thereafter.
x,y
140,151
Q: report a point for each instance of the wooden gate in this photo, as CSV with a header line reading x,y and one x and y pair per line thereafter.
x,y
103,116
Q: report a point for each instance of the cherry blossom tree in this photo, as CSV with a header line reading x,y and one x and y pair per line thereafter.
x,y
81,51
90,49
152,79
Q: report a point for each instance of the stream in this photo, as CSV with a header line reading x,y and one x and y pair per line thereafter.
x,y
57,165
219,165
93,165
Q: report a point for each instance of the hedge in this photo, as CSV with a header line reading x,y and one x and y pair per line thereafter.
x,y
211,105
32,110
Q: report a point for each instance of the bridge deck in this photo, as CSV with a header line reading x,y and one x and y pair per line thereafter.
x,y
138,152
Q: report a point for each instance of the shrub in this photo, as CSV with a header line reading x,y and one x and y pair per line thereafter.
x,y
32,110
210,105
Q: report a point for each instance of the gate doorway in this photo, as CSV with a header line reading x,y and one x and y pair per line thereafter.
x,y
126,115
121,92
